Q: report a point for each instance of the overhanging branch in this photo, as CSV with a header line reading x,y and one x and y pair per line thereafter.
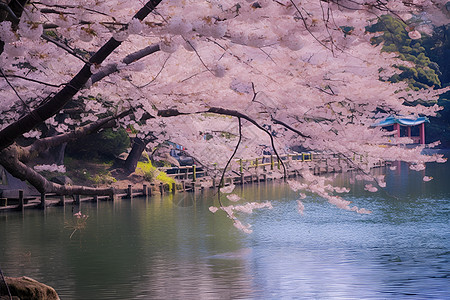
x,y
112,68
9,160
227,112
48,142
9,134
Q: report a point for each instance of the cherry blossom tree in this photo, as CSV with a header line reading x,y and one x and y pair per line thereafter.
x,y
280,73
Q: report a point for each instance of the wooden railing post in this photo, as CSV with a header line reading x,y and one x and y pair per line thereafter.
x,y
174,187
129,191
144,190
21,201
43,200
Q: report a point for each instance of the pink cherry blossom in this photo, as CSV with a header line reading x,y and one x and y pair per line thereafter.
x,y
427,178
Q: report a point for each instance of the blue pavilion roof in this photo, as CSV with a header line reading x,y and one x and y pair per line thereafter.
x,y
405,121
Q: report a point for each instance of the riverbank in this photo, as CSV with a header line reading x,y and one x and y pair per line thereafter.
x,y
146,181
188,179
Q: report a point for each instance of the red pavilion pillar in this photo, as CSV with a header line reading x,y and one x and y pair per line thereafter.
x,y
397,127
422,133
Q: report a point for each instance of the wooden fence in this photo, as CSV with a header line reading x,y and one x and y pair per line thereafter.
x,y
192,178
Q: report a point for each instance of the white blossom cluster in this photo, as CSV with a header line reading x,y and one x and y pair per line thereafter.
x,y
50,168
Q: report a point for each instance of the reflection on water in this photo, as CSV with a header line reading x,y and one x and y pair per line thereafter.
x,y
173,247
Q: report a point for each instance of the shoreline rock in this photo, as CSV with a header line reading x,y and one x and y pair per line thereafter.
x,y
26,288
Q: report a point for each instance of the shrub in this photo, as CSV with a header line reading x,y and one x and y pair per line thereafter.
x,y
105,144
151,173
147,170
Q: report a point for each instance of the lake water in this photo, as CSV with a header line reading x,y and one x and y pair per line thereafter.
x,y
174,248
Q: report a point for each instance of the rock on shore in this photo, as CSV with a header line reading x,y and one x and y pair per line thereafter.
x,y
25,288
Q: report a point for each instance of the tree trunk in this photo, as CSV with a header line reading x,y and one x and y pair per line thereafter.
x,y
58,153
135,154
11,163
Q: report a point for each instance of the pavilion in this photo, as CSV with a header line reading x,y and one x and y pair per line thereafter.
x,y
408,123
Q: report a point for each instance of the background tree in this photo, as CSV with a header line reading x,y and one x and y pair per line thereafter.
x,y
430,57
437,47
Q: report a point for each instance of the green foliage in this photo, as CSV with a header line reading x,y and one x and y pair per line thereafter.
x,y
151,173
439,127
163,177
395,38
347,30
147,170
431,56
132,129
161,164
437,48
100,179
208,136
106,144
88,172
51,33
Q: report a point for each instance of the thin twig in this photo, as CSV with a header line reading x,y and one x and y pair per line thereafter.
x,y
35,81
15,91
151,81
198,55
307,28
64,47
229,161
355,165
8,9
6,284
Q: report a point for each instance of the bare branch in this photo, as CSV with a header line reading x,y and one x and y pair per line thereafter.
x,y
45,143
8,9
62,46
227,112
33,80
226,166
198,55
307,27
112,68
275,121
15,91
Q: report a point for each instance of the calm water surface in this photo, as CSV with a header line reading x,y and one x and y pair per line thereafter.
x,y
173,247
